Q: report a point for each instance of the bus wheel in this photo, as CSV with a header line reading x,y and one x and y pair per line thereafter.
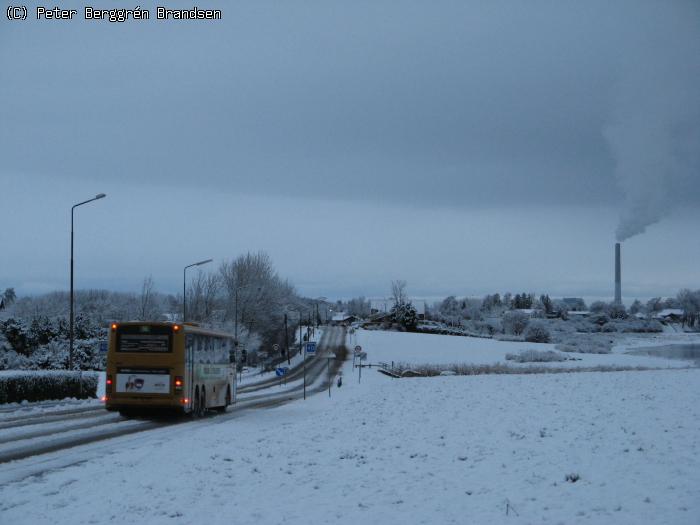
x,y
227,402
196,409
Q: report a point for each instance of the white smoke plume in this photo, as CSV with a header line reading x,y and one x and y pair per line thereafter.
x,y
654,132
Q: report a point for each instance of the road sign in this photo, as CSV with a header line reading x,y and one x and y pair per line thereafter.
x,y
103,346
276,347
311,347
358,349
363,356
281,371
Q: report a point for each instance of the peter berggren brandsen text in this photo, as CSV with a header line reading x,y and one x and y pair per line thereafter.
x,y
124,15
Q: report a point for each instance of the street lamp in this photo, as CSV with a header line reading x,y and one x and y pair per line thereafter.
x,y
318,315
300,347
184,286
72,299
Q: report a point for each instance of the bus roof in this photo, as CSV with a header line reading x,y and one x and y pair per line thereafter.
x,y
188,327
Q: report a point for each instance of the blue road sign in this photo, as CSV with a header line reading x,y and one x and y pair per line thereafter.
x,y
281,371
311,347
103,346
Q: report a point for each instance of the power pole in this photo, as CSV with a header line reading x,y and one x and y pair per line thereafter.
x,y
286,340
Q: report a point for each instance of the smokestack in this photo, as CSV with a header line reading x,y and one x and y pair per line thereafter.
x,y
618,275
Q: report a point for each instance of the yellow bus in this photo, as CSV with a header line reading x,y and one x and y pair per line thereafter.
x,y
158,367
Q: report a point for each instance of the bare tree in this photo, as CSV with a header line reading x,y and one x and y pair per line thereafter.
x,y
398,292
202,296
147,299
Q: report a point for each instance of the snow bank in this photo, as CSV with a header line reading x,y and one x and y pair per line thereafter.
x,y
39,385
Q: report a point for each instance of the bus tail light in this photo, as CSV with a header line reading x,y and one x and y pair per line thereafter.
x,y
178,383
114,327
176,327
185,400
109,384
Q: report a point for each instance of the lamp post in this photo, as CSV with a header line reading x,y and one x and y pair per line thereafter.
x,y
72,299
184,286
300,348
318,300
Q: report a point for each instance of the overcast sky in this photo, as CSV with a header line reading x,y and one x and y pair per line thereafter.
x,y
466,147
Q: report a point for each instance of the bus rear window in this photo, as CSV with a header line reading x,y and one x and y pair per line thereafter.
x,y
145,339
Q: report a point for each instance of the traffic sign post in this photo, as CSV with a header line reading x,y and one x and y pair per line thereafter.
x,y
328,361
309,349
356,351
282,372
362,356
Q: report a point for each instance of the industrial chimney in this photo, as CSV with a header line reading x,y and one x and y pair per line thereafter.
x,y
618,275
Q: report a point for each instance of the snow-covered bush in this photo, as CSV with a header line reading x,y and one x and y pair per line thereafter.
x,y
585,345
536,356
598,307
405,315
617,311
537,332
641,326
515,322
11,360
16,387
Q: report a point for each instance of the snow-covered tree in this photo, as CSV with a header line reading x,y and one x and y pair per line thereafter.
x,y
689,301
515,322
654,305
9,296
405,315
450,311
536,332
598,307
358,306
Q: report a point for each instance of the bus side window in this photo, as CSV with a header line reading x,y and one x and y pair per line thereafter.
x,y
230,351
220,351
189,347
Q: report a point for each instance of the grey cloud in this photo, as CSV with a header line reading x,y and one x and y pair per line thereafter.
x,y
437,104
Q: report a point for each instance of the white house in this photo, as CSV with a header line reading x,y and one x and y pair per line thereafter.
x,y
669,315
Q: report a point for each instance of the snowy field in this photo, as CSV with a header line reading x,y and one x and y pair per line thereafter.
x,y
479,449
420,349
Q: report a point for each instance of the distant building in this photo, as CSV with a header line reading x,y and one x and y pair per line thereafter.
x,y
669,315
531,312
574,304
579,313
342,318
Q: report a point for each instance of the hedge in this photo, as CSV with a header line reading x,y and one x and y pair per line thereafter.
x,y
40,385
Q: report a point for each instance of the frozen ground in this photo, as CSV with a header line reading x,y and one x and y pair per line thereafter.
x,y
419,349
475,449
